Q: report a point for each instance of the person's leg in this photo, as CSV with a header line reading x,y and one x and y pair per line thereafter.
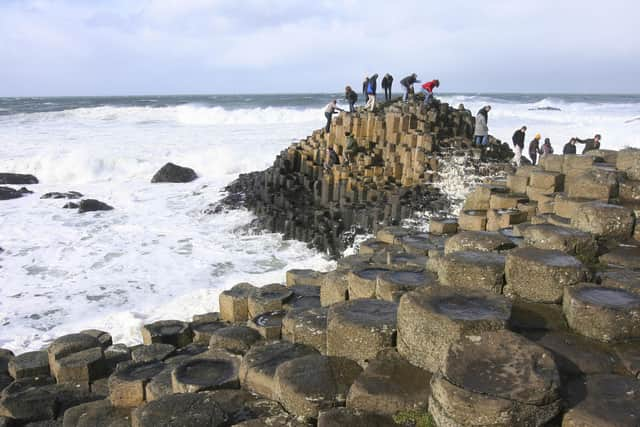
x,y
518,157
352,107
328,126
485,140
476,140
405,98
373,102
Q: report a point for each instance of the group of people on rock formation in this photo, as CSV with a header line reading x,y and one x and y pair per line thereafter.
x,y
535,149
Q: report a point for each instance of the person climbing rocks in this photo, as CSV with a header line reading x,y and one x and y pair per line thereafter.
x,y
546,147
407,83
427,89
481,132
518,144
331,109
365,85
569,147
534,148
331,158
386,83
352,97
371,92
590,143
350,149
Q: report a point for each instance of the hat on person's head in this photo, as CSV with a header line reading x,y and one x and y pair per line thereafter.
x,y
547,140
538,136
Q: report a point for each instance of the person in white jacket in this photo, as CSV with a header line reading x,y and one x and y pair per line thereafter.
x,y
481,133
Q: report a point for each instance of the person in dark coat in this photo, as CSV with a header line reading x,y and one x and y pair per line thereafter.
x,y
352,97
590,143
331,109
407,83
481,131
534,148
518,144
331,158
386,83
365,86
546,147
569,147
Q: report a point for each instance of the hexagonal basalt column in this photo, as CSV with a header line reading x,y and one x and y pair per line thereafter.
x,y
484,241
307,326
210,371
127,384
473,270
363,281
604,220
173,332
430,321
234,305
268,298
360,328
497,378
605,314
393,284
540,275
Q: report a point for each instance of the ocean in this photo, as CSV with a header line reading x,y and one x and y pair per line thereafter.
x,y
159,255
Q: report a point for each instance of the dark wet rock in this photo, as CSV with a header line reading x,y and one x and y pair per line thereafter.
x,y
98,413
259,365
541,275
601,313
532,316
429,321
91,205
174,173
29,364
307,326
269,324
5,357
67,195
604,401
31,404
82,367
115,354
359,329
151,352
234,302
267,298
170,411
203,329
17,179
211,371
496,378
7,193
71,205
308,384
67,345
623,256
629,355
173,332
104,338
339,417
127,383
390,384
236,339
473,270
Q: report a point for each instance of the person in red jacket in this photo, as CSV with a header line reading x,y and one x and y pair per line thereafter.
x,y
427,88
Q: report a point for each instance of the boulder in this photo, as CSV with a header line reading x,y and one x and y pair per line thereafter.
x,y
628,161
235,339
363,281
604,314
67,195
70,205
115,354
540,275
174,173
335,288
234,302
180,410
304,277
173,332
29,364
81,367
604,401
30,404
104,338
127,383
8,193
390,384
496,378
98,413
5,356
267,298
392,285
604,220
478,241
91,205
259,365
306,326
568,240
268,325
308,384
358,329
17,179
211,371
430,321
473,270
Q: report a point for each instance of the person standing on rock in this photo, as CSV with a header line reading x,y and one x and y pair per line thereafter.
x,y
331,158
590,143
546,147
569,147
481,132
427,89
352,97
407,83
331,109
386,83
518,144
371,92
534,148
365,86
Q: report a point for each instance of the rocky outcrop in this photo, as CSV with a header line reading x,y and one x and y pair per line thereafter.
x,y
17,179
91,205
8,193
174,173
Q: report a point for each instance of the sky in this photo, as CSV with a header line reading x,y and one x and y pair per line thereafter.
x,y
120,47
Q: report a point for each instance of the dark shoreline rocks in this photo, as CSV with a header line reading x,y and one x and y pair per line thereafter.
x,y
17,179
91,205
173,173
